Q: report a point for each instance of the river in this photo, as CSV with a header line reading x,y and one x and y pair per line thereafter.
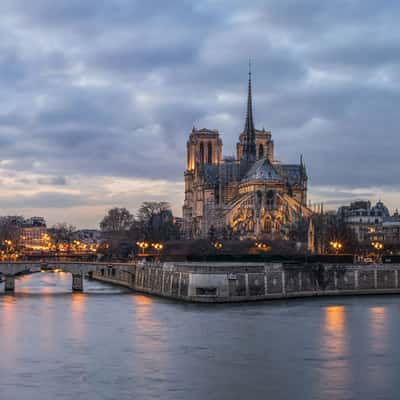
x,y
109,343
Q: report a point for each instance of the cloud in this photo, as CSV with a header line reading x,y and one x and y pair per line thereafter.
x,y
112,89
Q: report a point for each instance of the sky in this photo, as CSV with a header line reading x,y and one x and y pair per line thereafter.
x,y
98,97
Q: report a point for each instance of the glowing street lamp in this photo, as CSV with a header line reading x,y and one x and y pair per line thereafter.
x,y
336,246
262,246
157,246
143,246
378,246
217,245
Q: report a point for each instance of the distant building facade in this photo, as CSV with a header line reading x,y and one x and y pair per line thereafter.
x,y
88,236
365,220
30,233
249,195
391,229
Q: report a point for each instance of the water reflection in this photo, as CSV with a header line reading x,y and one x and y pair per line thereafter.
x,y
44,283
377,319
378,344
334,338
78,312
334,352
151,336
101,345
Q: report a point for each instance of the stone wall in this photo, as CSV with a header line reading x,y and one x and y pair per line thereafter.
x,y
224,282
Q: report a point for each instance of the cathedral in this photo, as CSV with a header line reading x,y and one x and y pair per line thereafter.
x,y
249,196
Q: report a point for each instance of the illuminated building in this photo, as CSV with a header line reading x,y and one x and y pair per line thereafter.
x,y
251,194
33,234
30,233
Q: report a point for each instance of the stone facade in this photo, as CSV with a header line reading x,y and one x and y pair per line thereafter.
x,y
232,282
247,196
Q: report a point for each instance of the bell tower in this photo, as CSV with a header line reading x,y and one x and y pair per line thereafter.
x,y
203,147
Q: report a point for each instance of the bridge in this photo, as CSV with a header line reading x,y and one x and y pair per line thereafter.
x,y
9,270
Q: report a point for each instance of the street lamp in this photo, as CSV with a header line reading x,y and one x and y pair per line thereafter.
x,y
262,246
142,245
217,245
378,246
336,246
157,246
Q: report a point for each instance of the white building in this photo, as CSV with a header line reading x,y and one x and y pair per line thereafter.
x,y
364,219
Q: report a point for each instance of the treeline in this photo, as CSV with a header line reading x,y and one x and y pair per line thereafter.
x,y
154,222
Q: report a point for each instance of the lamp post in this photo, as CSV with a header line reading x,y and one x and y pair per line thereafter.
x,y
262,246
142,245
217,245
336,245
378,246
157,247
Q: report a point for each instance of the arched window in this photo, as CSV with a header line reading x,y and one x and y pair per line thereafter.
x,y
258,199
209,153
260,151
270,198
201,153
268,226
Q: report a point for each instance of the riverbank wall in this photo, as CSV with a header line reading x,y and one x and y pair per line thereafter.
x,y
230,282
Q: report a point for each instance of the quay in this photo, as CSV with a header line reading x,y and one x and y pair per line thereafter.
x,y
231,282
220,282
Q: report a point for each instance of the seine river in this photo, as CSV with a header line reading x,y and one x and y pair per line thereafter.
x,y
111,344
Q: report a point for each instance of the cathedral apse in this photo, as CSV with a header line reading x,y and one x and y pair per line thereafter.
x,y
246,196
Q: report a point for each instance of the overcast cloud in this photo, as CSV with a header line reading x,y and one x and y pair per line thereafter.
x,y
98,97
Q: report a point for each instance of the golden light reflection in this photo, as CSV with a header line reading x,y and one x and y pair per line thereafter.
x,y
9,334
149,333
8,313
334,326
334,352
78,311
143,300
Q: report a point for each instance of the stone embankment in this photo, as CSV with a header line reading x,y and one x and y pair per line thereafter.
x,y
233,282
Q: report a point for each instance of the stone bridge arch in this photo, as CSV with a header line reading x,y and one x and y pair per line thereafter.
x,y
78,270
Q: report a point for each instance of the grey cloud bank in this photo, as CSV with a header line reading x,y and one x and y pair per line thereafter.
x,y
112,88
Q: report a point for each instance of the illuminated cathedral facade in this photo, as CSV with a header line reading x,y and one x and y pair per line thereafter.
x,y
248,196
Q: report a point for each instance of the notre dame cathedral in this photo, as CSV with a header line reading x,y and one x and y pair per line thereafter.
x,y
249,196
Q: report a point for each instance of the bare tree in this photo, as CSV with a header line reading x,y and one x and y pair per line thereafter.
x,y
117,220
149,209
157,221
62,232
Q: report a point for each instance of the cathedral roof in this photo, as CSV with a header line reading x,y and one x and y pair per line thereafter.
x,y
293,172
262,170
210,173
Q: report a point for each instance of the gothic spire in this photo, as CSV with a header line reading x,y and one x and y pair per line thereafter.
x,y
249,146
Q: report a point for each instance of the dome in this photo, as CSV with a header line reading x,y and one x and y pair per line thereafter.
x,y
380,207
